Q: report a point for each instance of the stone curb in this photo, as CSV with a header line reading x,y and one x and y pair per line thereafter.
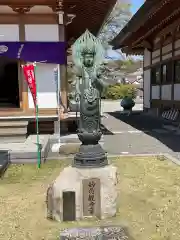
x,y
167,156
3,168
4,164
20,157
171,158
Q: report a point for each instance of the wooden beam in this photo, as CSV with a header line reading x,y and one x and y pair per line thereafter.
x,y
63,68
23,87
29,18
28,2
147,44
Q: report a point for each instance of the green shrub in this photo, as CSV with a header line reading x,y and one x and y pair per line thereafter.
x,y
119,91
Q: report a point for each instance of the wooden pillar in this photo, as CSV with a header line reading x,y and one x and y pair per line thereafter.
x,y
63,68
151,79
161,83
23,87
173,66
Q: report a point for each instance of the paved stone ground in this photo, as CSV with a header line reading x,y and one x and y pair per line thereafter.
x,y
26,151
139,134
107,105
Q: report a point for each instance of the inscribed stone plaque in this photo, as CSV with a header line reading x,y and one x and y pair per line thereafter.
x,y
91,197
96,233
69,206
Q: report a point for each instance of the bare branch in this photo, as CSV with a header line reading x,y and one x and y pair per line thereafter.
x,y
116,21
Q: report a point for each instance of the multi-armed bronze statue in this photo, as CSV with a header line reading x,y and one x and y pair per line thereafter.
x,y
88,57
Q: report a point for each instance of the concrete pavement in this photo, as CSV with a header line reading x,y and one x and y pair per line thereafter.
x,y
112,106
139,134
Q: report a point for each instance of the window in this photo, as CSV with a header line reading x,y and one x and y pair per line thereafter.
x,y
155,75
167,72
164,73
177,71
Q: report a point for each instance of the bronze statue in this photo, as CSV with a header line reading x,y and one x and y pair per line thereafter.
x,y
88,57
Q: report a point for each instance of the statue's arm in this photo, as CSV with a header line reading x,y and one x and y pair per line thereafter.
x,y
77,85
78,92
99,78
103,81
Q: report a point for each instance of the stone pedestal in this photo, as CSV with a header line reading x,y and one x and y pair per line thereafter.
x,y
83,192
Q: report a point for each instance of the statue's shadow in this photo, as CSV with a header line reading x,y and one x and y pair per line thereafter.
x,y
105,131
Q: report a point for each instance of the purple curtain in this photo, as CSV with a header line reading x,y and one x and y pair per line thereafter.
x,y
49,52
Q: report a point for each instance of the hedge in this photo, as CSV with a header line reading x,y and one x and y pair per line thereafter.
x,y
119,91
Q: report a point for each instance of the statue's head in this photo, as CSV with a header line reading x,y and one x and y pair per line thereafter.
x,y
87,51
88,58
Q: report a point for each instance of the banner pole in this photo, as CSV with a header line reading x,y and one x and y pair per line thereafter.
x,y
59,115
37,122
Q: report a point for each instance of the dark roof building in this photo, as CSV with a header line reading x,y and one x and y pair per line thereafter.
x,y
154,31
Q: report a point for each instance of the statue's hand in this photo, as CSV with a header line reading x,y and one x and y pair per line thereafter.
x,y
77,97
101,70
78,71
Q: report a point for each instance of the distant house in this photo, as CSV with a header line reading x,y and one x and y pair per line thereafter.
x,y
136,78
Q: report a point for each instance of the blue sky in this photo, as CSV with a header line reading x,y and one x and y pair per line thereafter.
x,y
135,5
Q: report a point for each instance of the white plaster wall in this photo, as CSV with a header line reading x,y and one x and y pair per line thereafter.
x,y
9,32
167,56
167,48
177,44
44,72
177,91
166,92
147,58
38,9
177,52
42,32
155,92
155,60
156,53
46,87
147,86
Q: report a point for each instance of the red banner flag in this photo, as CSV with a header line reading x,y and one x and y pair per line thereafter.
x,y
29,73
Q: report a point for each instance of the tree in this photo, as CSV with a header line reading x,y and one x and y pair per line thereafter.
x,y
120,69
127,66
113,25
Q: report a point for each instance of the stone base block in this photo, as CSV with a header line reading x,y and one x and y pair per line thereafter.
x,y
83,192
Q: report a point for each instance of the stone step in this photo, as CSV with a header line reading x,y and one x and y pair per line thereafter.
x,y
27,151
13,124
12,139
13,131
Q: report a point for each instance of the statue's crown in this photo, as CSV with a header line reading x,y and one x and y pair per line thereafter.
x,y
87,50
87,43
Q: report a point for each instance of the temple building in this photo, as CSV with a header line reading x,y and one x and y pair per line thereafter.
x,y
41,21
154,32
